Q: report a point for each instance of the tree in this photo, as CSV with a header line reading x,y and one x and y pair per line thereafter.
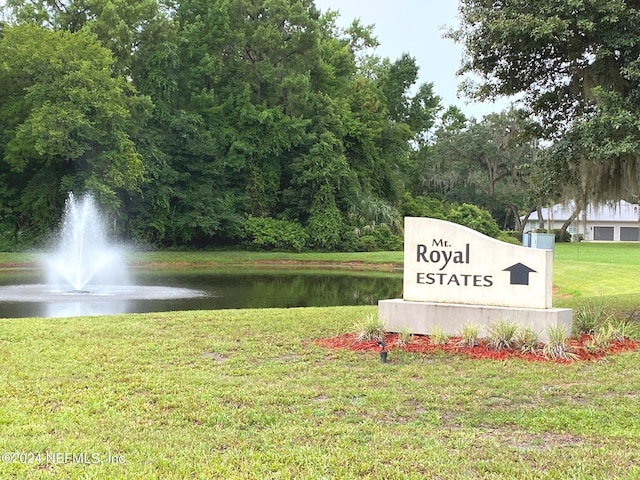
x,y
486,163
66,122
246,109
118,24
575,65
139,35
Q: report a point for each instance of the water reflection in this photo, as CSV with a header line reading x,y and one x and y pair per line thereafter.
x,y
222,289
59,301
84,309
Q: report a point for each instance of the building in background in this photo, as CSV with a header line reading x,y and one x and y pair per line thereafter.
x,y
613,222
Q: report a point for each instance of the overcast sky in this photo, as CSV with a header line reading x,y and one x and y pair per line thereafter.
x,y
416,27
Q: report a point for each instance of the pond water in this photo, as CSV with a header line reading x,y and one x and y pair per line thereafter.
x,y
212,289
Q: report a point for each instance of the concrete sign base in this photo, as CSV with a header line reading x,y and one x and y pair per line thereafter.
x,y
421,317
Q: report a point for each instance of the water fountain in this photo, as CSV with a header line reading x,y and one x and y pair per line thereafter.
x,y
84,261
86,274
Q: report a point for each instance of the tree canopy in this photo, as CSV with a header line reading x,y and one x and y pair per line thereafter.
x,y
486,162
262,122
575,66
190,118
65,123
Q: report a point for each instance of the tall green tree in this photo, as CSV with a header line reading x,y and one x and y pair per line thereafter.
x,y
244,74
65,121
118,24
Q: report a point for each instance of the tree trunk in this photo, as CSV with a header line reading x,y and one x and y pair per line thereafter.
x,y
570,220
540,217
522,223
511,209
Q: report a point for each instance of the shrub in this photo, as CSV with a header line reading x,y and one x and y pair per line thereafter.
x,y
325,226
14,239
475,218
515,234
422,206
508,238
350,241
386,240
379,239
8,241
368,243
269,233
566,237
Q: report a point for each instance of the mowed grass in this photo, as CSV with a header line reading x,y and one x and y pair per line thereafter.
x,y
248,394
607,271
234,257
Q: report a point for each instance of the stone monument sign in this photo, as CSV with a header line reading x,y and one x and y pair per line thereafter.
x,y
454,275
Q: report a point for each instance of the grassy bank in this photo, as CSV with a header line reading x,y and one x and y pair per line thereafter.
x,y
248,394
242,257
222,258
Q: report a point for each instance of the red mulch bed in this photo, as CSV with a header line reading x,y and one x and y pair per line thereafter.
x,y
422,344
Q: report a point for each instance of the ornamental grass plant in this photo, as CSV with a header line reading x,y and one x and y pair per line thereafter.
x,y
469,335
556,346
371,328
526,340
438,337
501,335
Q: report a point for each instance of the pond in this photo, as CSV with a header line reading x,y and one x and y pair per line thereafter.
x,y
212,289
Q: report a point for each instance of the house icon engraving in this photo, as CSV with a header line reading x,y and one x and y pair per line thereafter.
x,y
519,274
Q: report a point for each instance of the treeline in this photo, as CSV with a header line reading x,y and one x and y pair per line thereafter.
x,y
216,122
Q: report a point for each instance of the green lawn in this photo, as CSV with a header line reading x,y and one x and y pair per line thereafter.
x,y
610,272
177,259
231,257
247,394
